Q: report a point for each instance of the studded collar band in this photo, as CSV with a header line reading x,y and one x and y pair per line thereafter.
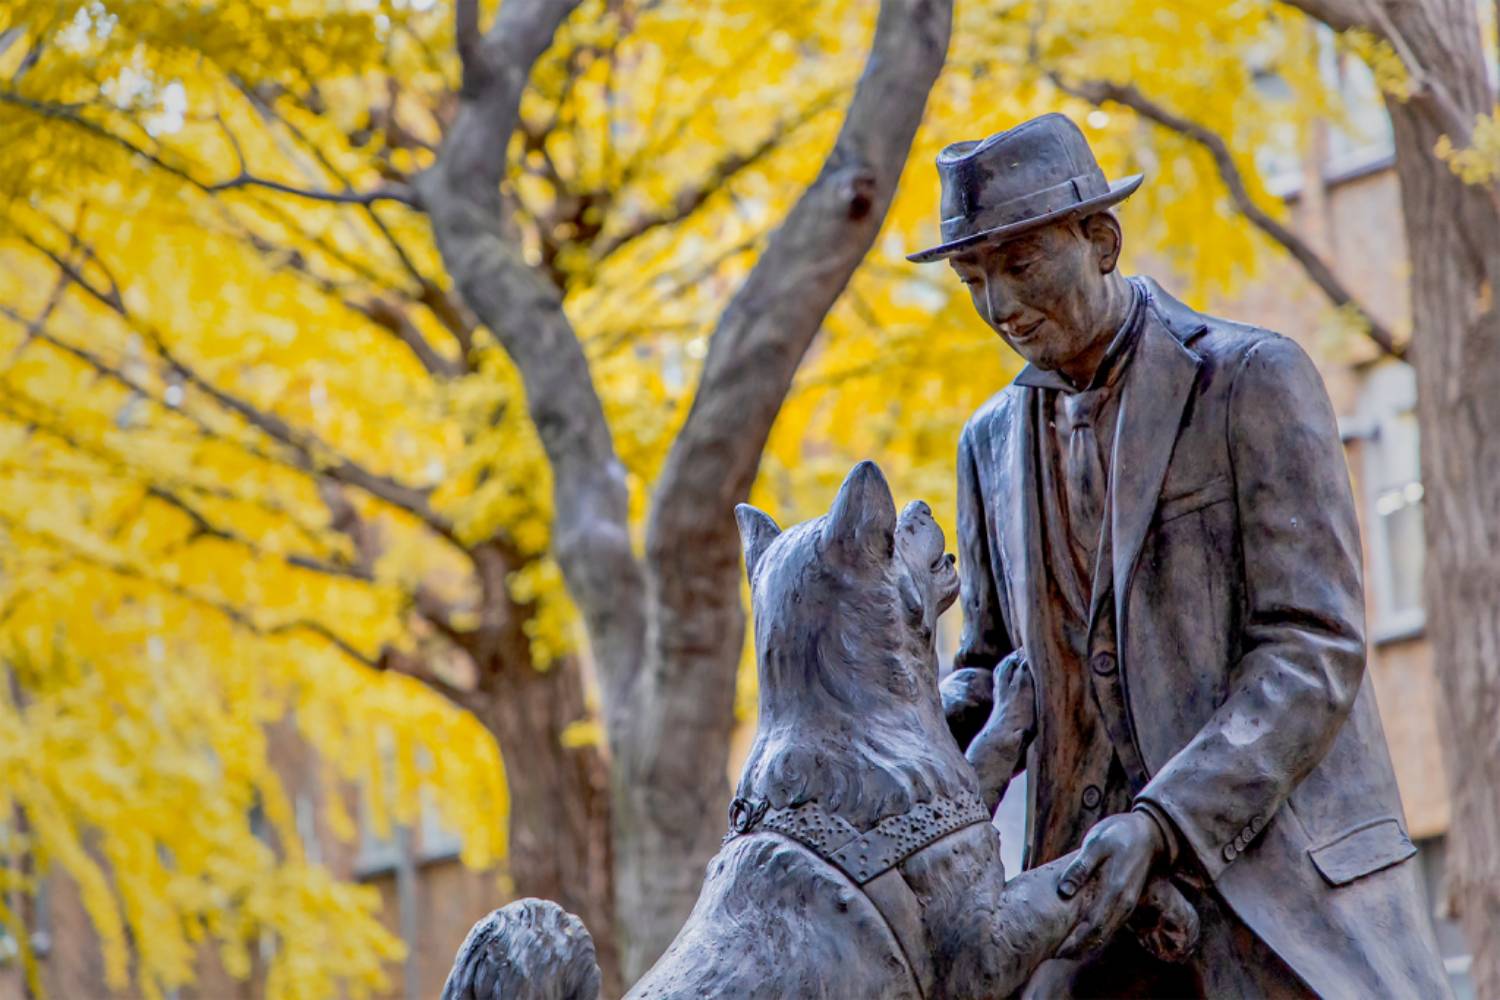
x,y
860,855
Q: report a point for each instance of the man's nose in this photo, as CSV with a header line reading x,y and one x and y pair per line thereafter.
x,y
999,306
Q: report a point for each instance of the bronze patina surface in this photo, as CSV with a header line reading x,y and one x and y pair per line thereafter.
x,y
1157,515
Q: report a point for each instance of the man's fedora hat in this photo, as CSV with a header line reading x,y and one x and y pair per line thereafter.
x,y
1039,172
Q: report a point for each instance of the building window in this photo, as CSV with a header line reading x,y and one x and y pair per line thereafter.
x,y
1393,494
434,840
438,841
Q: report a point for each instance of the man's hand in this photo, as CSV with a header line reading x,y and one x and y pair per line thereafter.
x,y
1116,858
967,694
996,751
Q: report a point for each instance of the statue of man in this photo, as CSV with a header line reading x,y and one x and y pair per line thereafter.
x,y
1155,518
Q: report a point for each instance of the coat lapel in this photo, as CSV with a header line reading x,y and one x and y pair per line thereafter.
x,y
1157,386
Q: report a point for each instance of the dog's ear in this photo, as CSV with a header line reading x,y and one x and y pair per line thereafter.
x,y
757,532
862,522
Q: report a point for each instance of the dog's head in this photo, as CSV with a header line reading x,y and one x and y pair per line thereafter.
x,y
874,580
845,611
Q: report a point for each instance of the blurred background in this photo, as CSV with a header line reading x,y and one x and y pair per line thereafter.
x,y
310,659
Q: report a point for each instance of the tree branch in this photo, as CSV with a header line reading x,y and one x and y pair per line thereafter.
x,y
772,319
235,615
387,192
461,193
71,115
311,453
400,662
690,199
385,313
1101,91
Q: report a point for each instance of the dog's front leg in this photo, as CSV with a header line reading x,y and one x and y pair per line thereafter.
x,y
997,751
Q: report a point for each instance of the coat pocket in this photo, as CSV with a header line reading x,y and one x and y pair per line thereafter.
x,y
1215,490
1366,848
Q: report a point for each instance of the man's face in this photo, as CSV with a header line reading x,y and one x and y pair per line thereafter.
x,y
1044,292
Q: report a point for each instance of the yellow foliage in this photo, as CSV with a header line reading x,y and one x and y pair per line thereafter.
x,y
1391,74
175,577
1479,163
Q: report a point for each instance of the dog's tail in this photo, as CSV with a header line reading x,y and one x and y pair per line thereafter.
x,y
531,949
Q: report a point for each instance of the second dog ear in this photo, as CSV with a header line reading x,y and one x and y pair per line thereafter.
x,y
757,532
862,522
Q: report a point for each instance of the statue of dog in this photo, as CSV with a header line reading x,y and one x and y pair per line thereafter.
x,y
860,860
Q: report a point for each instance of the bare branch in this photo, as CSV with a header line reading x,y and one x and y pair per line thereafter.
x,y
1101,91
690,199
461,193
162,490
311,452
445,313
401,662
238,616
772,320
71,115
468,38
389,192
436,612
385,313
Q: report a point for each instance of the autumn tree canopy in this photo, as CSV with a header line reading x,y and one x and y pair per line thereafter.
x,y
265,454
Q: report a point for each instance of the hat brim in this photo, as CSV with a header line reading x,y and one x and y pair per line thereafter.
x,y
1118,191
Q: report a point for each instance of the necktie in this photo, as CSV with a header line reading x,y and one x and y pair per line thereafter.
x,y
1086,482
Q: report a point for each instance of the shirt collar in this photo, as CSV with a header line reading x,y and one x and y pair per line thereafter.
x,y
1115,358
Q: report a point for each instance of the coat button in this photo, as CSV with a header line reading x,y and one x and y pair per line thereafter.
x,y
1091,797
1230,852
1256,823
1103,664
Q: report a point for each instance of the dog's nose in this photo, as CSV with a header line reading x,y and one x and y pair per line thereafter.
x,y
952,559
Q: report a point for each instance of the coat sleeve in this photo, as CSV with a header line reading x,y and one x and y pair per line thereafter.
x,y
985,640
968,692
1302,641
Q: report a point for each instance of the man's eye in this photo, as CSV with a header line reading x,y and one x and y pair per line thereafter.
x,y
1020,266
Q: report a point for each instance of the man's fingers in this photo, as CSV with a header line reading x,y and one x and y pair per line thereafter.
x,y
1115,905
1105,915
1081,870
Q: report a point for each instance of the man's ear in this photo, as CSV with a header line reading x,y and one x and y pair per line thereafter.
x,y
757,532
1103,231
862,521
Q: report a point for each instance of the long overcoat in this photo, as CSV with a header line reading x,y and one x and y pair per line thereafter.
x,y
1238,609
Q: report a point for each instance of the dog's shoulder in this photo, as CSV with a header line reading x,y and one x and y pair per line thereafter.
x,y
775,920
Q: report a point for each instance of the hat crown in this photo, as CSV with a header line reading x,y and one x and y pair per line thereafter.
x,y
1040,171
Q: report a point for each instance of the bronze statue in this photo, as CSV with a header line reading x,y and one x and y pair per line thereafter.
x,y
860,861
1156,529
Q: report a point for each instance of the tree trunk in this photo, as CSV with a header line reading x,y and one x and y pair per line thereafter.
x,y
672,745
559,804
1453,230
671,782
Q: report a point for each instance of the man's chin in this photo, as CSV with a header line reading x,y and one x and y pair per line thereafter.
x,y
1037,356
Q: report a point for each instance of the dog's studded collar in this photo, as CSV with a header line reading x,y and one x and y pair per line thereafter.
x,y
861,856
